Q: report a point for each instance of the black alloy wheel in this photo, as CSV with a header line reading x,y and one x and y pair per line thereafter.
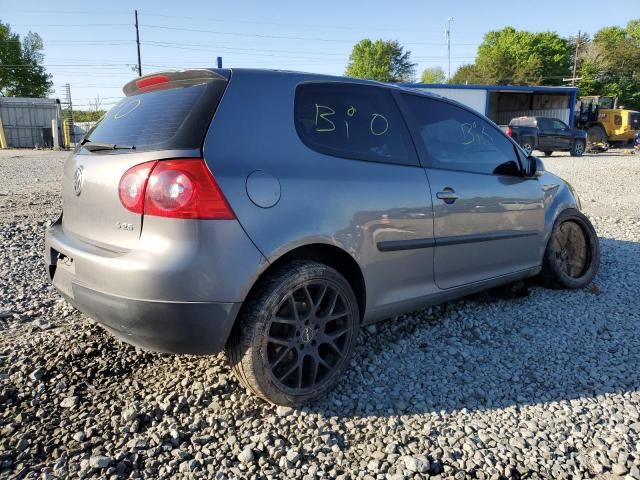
x,y
295,334
572,256
308,336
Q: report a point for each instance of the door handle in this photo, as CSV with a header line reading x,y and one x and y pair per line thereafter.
x,y
448,195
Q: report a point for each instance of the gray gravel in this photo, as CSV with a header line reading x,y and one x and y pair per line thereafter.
x,y
546,386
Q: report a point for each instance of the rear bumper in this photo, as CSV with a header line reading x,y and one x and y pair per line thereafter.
x,y
173,327
184,299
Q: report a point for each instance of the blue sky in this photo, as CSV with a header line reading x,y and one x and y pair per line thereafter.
x,y
91,45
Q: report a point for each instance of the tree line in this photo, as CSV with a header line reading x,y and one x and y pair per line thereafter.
x,y
607,63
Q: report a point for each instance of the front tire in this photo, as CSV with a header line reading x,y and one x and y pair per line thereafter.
x,y
597,138
572,256
577,149
548,153
295,336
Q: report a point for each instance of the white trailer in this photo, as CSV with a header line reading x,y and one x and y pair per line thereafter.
x,y
501,103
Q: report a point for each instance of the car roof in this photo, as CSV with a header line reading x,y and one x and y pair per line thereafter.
x,y
335,78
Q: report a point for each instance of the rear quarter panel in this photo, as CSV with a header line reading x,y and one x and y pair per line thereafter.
x,y
350,204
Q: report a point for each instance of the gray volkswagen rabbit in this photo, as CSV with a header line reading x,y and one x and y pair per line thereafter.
x,y
271,214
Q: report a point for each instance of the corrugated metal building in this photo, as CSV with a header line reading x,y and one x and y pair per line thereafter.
x,y
27,121
501,103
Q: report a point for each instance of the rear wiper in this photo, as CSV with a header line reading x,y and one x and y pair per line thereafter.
x,y
98,146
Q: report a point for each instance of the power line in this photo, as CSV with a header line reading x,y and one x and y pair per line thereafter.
x,y
278,24
261,51
63,12
70,25
283,37
229,20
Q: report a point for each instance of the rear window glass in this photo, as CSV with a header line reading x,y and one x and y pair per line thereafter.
x,y
175,118
352,121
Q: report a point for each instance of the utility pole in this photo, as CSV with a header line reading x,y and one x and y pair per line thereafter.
x,y
575,60
448,35
138,44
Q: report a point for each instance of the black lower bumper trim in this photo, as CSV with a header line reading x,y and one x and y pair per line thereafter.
x,y
173,327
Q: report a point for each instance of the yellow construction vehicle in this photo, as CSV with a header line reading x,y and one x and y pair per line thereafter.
x,y
606,123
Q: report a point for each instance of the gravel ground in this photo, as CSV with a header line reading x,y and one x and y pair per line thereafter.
x,y
546,386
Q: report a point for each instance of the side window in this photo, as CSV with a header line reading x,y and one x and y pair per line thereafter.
x,y
559,125
352,121
457,139
544,125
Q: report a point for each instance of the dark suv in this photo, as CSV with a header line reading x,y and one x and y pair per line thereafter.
x,y
548,135
273,213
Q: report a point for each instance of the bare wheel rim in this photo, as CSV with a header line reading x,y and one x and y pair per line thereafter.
x,y
308,336
570,249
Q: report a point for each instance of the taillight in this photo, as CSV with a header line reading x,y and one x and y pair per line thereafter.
x,y
181,188
510,131
133,185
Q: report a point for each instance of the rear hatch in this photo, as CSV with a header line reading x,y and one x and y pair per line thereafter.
x,y
162,116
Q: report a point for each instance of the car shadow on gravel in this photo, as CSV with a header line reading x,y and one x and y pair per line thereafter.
x,y
487,352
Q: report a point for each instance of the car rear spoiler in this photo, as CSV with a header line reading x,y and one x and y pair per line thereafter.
x,y
167,80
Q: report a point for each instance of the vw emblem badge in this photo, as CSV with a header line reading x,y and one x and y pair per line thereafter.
x,y
78,178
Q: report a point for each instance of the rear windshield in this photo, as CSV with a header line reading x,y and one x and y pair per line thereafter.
x,y
175,118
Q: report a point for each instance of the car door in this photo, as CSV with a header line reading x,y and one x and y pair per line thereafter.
x,y
546,137
488,218
562,134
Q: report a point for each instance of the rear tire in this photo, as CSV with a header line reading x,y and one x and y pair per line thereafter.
x,y
572,257
295,336
548,153
527,146
577,149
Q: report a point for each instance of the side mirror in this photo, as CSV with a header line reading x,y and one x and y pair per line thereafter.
x,y
535,167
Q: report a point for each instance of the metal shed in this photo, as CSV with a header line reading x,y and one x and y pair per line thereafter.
x,y
501,103
27,122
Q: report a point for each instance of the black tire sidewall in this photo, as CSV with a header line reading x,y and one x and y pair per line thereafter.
x,y
552,271
573,151
529,150
266,305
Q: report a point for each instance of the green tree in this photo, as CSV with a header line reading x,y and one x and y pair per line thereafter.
x,y
381,60
88,115
610,64
433,75
511,56
468,74
633,29
21,71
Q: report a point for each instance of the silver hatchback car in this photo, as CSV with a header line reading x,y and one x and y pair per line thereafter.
x,y
270,214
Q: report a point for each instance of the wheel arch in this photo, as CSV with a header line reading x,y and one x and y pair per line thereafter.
x,y
326,253
559,196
